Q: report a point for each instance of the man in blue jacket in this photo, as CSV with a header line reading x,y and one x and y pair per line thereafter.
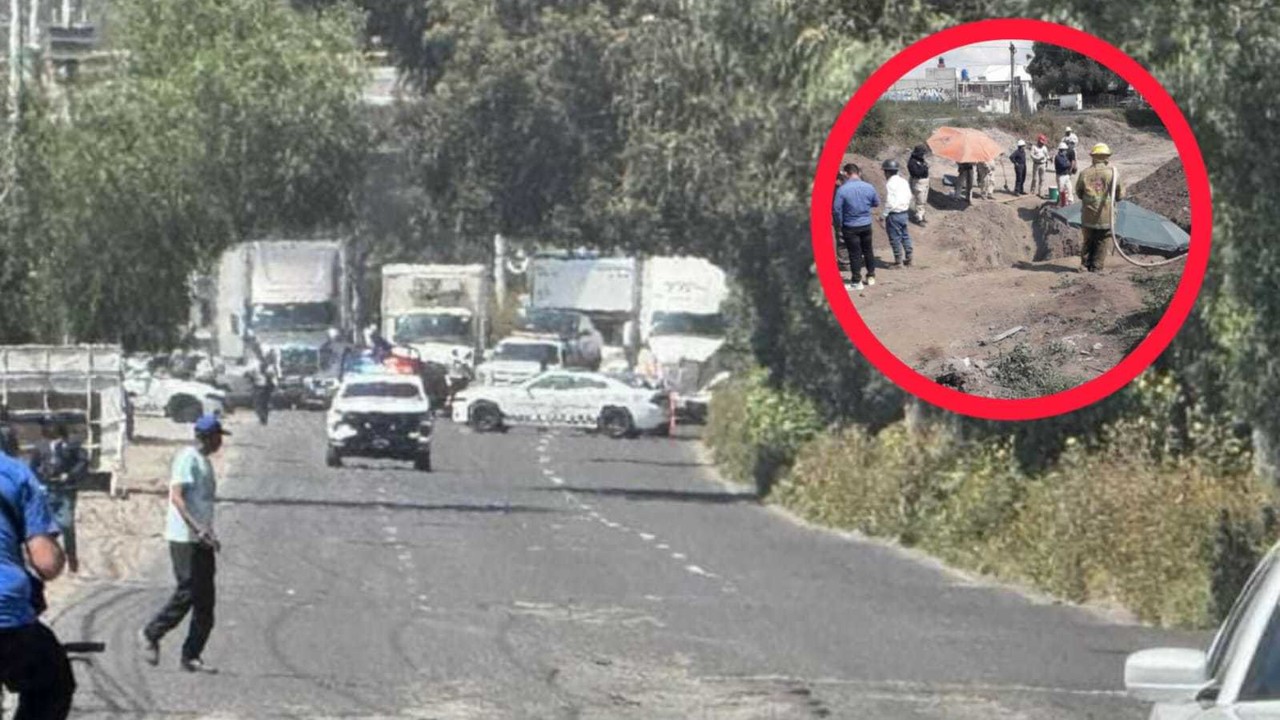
x,y
32,661
851,212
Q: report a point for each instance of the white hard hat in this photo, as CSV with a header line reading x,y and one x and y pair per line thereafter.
x,y
1068,129
1022,143
1062,146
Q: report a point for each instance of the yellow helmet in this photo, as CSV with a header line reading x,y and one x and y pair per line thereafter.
x,y
1100,149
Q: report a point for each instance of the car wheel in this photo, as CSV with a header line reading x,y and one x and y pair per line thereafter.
x,y
616,423
184,409
333,458
486,417
422,463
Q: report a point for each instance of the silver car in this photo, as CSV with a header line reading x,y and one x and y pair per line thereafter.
x,y
1237,678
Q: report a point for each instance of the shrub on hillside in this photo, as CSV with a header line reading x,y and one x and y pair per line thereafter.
x,y
755,430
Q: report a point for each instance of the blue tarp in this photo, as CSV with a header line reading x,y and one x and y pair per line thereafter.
x,y
1138,226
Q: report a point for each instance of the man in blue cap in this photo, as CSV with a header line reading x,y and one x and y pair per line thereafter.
x,y
192,544
32,661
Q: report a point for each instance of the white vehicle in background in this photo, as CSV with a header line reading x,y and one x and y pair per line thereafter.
x,y
152,392
1239,676
380,414
521,357
566,398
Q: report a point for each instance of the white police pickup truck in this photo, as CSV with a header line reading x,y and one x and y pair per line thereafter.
x,y
565,398
380,414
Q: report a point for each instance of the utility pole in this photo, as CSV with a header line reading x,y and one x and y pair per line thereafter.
x,y
33,43
15,93
1013,77
499,270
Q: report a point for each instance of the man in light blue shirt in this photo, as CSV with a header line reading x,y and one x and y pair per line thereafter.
x,y
193,491
851,212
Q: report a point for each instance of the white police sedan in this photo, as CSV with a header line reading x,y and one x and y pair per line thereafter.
x,y
565,398
1237,678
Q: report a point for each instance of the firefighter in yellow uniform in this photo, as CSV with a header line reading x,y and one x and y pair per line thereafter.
x,y
1098,189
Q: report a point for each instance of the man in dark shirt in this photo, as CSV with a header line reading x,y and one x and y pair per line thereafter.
x,y
62,465
918,169
1019,158
852,213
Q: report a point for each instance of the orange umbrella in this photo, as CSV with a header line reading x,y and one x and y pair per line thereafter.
x,y
964,145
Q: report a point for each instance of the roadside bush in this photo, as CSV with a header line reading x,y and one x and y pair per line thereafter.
x,y
879,485
755,430
1119,520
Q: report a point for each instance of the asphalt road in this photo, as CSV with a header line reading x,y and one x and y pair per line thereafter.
x,y
559,575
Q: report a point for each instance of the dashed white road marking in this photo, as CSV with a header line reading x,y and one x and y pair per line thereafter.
x,y
557,480
663,546
647,537
679,556
698,571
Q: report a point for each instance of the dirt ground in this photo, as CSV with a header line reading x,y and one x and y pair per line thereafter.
x,y
116,537
987,268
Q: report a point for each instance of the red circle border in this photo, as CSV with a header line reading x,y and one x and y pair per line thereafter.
x,y
1156,341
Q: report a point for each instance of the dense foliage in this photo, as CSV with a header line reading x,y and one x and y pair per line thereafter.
x,y
1057,70
227,120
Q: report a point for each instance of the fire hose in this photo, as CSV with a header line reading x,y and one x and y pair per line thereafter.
x,y
1115,239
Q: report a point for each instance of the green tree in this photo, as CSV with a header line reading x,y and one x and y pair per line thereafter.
x,y
227,120
1057,70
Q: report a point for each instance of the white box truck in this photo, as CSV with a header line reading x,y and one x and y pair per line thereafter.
x,y
682,327
441,311
289,293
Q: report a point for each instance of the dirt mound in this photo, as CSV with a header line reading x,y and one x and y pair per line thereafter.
x,y
986,235
1165,191
1054,237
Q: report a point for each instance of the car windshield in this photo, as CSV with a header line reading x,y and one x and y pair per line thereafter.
x,y
548,321
294,360
417,328
1224,644
676,323
293,316
396,390
527,352
1262,682
634,381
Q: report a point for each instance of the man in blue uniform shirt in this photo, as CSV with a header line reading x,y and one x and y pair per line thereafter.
x,y
32,661
851,212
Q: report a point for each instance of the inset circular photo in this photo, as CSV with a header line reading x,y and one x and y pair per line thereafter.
x,y
1010,222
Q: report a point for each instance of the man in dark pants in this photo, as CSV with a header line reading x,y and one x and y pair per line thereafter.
x,y
1019,158
852,212
192,544
842,252
32,661
62,465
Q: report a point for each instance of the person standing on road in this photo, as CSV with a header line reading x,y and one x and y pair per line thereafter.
x,y
1062,168
1099,188
918,169
852,212
193,491
62,465
897,202
1039,157
1019,159
32,660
